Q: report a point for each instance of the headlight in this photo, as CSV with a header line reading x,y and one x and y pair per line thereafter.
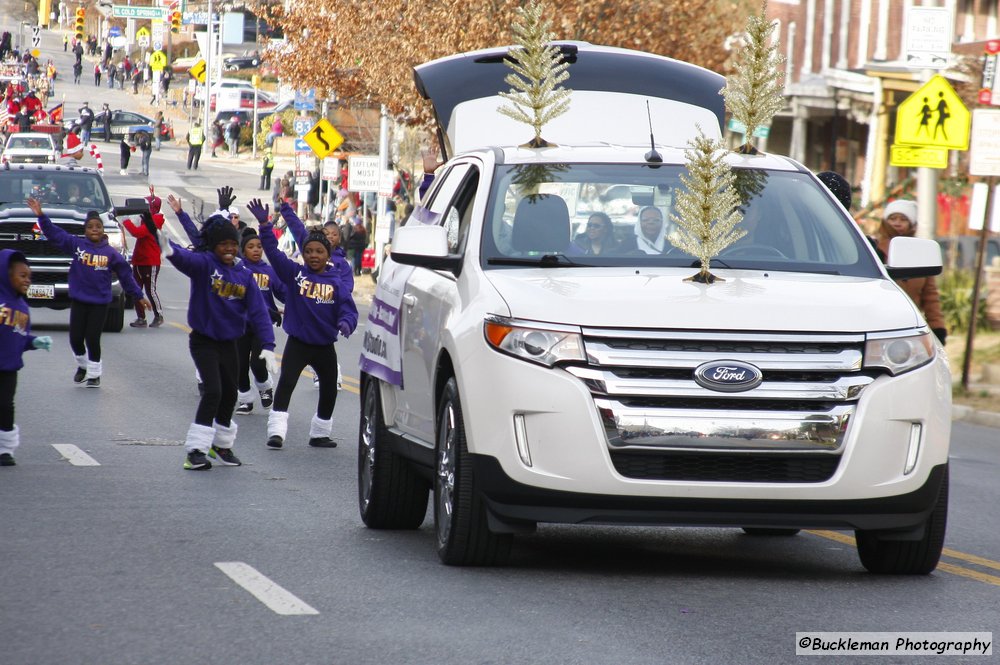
x,y
116,240
900,354
545,345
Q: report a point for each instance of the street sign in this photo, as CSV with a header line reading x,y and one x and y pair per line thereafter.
x,y
984,158
157,61
36,31
323,138
303,125
363,174
928,37
36,41
934,117
130,11
197,71
197,18
331,168
305,100
115,31
915,156
302,146
142,36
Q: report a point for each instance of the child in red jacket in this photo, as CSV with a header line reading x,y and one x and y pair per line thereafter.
x,y
146,262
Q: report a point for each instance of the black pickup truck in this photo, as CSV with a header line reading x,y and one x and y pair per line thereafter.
x,y
67,193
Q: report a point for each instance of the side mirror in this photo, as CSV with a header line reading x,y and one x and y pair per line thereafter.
x,y
425,246
913,257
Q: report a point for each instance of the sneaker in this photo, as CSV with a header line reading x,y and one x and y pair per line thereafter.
x,y
157,321
267,398
79,375
6,459
94,382
322,442
244,408
123,172
224,456
196,461
138,323
275,442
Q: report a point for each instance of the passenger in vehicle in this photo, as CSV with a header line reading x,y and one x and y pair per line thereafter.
x,y
75,195
649,234
599,238
900,219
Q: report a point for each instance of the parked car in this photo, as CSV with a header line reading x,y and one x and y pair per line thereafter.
x,y
265,102
513,380
246,61
245,118
122,122
29,148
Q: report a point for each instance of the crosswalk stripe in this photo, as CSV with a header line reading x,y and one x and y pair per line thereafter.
x,y
266,591
74,455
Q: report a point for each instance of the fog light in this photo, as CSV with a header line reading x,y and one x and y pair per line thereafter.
x,y
521,437
913,450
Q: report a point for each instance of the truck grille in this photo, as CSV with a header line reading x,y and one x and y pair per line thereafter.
x,y
663,424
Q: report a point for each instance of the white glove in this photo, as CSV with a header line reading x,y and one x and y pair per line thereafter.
x,y
269,361
166,249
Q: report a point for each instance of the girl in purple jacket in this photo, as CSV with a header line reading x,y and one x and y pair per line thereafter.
x,y
89,287
318,307
15,339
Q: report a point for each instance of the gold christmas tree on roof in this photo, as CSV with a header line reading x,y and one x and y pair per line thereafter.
x,y
535,96
707,213
755,93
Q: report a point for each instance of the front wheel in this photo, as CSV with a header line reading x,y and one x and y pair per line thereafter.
x,y
391,495
115,319
879,553
463,537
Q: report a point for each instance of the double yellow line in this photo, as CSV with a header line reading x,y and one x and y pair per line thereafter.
x,y
970,573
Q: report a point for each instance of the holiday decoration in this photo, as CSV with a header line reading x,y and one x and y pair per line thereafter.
x,y
538,69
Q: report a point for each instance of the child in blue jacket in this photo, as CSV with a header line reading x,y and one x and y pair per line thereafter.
x,y
89,287
224,299
318,308
15,339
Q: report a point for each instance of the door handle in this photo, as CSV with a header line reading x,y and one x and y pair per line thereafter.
x,y
409,300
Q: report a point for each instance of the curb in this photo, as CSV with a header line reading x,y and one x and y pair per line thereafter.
x,y
967,414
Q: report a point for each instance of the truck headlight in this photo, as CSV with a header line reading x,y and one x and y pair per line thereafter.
x,y
901,353
539,343
116,240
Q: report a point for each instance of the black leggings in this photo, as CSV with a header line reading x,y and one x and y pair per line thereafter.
x,y
216,364
8,386
249,349
86,323
323,359
146,276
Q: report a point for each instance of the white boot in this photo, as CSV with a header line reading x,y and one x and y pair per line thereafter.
x,y
277,428
199,438
319,433
222,449
94,374
9,441
266,384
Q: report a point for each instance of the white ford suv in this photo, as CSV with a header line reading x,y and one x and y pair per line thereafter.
x,y
518,379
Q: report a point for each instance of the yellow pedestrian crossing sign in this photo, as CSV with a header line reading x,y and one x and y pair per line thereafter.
x,y
158,61
323,138
934,117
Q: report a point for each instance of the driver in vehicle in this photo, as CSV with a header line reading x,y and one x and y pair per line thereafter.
x,y
650,233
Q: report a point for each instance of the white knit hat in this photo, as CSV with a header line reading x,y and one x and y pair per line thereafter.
x,y
903,207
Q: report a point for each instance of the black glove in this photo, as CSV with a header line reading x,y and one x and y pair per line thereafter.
x,y
226,197
942,334
275,317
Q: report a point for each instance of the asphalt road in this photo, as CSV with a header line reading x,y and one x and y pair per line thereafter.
x,y
112,554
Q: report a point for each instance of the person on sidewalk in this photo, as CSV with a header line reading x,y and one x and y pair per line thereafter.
x,y
216,135
195,141
265,171
145,144
224,299
77,72
233,136
107,121
86,123
146,260
158,128
97,74
125,149
94,262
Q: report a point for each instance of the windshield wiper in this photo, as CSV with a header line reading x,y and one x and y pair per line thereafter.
x,y
546,261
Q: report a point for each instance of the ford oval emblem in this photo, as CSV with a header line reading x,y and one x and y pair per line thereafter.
x,y
728,376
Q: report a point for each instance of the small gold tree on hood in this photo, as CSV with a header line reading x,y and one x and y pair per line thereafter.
x,y
754,94
707,209
537,71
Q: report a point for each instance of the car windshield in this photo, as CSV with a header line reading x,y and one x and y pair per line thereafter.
x,y
624,215
79,190
29,143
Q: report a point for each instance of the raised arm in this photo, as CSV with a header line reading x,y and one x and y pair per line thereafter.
x,y
284,267
192,231
62,240
295,225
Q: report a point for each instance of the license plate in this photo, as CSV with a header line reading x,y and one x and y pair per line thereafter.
x,y
47,291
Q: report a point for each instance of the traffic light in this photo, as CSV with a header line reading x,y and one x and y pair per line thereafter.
x,y
79,23
175,22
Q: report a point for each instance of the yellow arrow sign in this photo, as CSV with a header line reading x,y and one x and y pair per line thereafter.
x,y
913,156
157,61
323,138
934,117
197,71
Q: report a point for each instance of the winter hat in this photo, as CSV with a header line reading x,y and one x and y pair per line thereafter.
x,y
154,204
219,231
73,145
93,214
840,188
318,236
248,235
903,207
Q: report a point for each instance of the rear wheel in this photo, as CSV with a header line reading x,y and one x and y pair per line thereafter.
x,y
764,531
463,537
391,495
879,553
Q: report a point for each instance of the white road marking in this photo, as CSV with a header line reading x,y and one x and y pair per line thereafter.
x,y
277,599
74,455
